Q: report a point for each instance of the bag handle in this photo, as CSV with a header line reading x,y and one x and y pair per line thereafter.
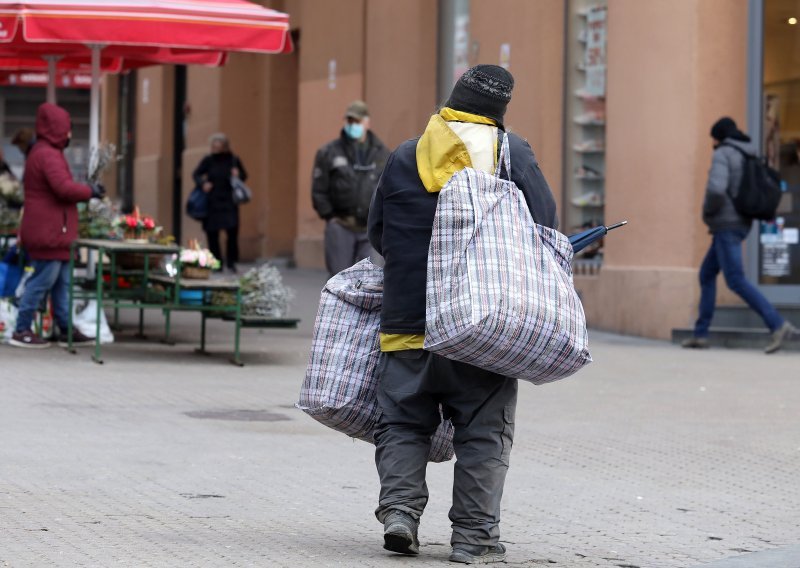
x,y
504,160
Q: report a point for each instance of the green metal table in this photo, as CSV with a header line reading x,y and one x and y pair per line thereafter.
x,y
173,287
141,297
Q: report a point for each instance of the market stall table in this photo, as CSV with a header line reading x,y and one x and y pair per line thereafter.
x,y
175,285
141,297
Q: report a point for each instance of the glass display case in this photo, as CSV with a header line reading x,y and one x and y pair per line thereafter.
x,y
585,129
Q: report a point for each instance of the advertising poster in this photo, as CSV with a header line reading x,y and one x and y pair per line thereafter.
x,y
596,52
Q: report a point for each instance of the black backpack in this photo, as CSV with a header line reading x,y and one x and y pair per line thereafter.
x,y
760,189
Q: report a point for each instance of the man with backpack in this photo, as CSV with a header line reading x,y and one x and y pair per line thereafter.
x,y
413,383
739,189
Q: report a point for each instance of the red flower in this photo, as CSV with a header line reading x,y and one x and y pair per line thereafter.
x,y
149,224
131,221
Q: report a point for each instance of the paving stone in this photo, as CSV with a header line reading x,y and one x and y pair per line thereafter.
x,y
651,457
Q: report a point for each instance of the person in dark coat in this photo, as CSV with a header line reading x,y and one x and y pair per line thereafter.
x,y
346,171
49,224
213,174
728,230
413,383
24,139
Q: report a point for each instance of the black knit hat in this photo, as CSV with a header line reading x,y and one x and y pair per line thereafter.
x,y
726,127
484,90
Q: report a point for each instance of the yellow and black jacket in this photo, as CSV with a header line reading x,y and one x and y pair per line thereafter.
x,y
404,205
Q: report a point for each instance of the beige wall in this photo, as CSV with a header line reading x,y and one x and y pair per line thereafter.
x,y
329,31
535,32
152,167
109,128
673,69
376,61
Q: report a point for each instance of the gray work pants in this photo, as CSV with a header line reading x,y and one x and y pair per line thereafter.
x,y
481,405
343,247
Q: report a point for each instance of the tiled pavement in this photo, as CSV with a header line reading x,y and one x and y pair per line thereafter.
x,y
651,457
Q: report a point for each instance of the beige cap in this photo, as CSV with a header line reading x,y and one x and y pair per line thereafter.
x,y
357,110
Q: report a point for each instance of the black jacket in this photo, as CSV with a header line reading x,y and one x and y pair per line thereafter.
x,y
223,213
401,223
345,176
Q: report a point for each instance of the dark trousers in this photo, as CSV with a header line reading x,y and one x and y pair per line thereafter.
x,y
725,255
482,407
232,248
343,247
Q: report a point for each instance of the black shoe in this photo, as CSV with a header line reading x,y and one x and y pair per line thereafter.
x,y
474,554
400,533
78,339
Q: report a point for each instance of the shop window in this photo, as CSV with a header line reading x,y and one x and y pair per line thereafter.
x,y
585,106
779,241
18,106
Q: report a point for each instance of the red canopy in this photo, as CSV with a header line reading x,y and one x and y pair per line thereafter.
x,y
142,29
137,33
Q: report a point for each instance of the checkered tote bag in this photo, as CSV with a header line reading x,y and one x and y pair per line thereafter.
x,y
499,293
340,387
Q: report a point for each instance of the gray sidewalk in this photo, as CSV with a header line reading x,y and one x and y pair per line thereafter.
x,y
651,457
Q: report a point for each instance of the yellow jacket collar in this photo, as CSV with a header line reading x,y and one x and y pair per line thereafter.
x,y
440,152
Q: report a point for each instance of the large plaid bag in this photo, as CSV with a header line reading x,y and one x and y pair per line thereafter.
x,y
340,386
499,292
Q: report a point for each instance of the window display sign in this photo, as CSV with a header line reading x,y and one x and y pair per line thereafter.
x,y
596,51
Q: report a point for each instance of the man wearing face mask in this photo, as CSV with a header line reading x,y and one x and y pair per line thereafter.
x,y
346,172
49,225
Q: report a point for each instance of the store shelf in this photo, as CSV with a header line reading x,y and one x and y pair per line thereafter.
x,y
585,104
588,122
586,96
588,205
581,150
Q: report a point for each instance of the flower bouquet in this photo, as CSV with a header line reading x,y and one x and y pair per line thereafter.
x,y
9,220
96,219
11,190
136,227
197,263
101,159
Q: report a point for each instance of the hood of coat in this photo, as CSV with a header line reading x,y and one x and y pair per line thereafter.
x,y
53,125
441,152
749,147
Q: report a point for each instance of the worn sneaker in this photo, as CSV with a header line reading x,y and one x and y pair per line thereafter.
x,y
78,339
28,340
784,332
400,533
474,554
695,343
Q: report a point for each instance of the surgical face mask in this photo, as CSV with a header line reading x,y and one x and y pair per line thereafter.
x,y
354,130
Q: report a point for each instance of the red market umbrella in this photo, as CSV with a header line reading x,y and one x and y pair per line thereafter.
x,y
137,33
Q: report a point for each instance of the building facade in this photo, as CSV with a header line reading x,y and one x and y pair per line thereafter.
x,y
616,97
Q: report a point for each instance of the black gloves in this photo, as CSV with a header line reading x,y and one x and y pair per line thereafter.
x,y
98,190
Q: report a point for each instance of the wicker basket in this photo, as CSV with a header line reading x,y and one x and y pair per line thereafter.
x,y
196,273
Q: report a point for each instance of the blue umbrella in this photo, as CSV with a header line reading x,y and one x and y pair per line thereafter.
x,y
580,241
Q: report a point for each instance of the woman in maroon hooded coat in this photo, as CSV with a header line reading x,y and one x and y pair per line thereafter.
x,y
49,224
